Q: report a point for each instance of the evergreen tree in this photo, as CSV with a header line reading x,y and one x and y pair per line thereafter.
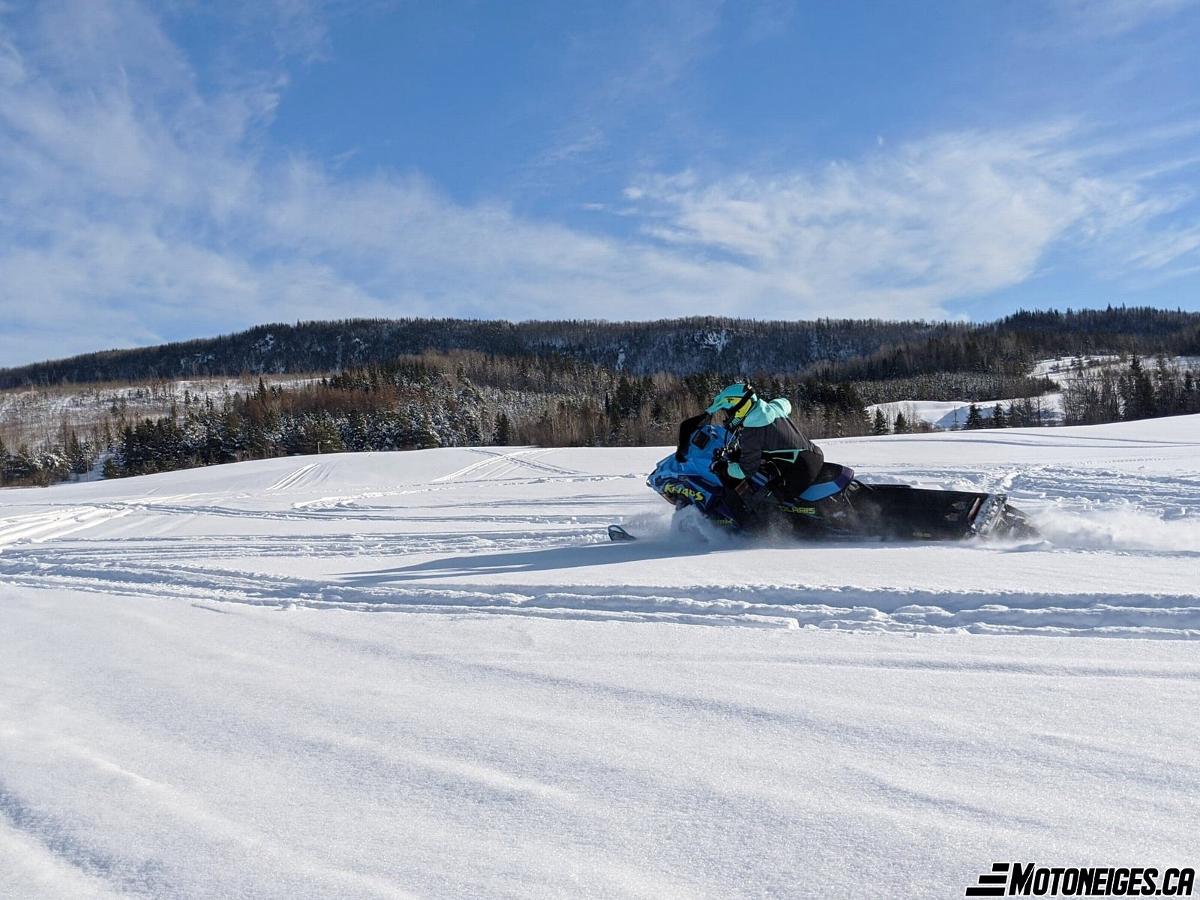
x,y
998,420
974,418
1013,418
880,424
321,435
19,467
900,426
423,434
628,398
1167,389
78,458
1139,392
502,436
1028,414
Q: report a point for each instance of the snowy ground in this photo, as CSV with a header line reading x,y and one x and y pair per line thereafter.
x,y
1065,369
952,414
1047,408
428,674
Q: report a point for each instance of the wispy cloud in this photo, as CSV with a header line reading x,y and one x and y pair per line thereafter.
x,y
634,62
767,19
954,216
137,205
1112,18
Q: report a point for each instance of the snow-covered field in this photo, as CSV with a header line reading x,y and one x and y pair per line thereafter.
x,y
1047,409
1065,369
949,415
429,674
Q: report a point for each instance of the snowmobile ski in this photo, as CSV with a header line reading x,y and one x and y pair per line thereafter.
x,y
617,533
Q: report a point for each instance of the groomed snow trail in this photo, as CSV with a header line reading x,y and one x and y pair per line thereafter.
x,y
193,703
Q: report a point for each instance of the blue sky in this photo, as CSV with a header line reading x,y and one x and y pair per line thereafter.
x,y
182,168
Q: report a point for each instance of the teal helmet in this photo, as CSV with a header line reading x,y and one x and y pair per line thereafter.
x,y
737,399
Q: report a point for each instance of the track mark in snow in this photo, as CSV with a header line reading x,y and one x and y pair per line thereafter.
x,y
302,476
144,878
351,501
1164,616
1056,483
59,523
496,464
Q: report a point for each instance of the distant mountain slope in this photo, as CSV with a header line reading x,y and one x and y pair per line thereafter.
x,y
680,346
840,348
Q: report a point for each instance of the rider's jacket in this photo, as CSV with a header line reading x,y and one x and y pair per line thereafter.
x,y
773,453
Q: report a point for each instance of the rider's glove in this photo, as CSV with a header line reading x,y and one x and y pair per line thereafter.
x,y
752,483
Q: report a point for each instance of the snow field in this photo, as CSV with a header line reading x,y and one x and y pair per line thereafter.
x,y
169,749
952,414
429,674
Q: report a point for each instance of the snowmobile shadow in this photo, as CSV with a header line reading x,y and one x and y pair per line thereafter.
x,y
527,561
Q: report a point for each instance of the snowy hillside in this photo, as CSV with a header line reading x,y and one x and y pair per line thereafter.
x,y
1046,409
949,415
1065,369
34,414
429,674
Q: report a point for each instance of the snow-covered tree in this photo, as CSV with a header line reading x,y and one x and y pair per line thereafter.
x,y
880,424
502,436
974,418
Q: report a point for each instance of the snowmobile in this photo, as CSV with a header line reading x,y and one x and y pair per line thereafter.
x,y
835,506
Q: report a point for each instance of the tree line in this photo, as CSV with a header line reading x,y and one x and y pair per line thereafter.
x,y
834,350
1128,390
471,398
416,402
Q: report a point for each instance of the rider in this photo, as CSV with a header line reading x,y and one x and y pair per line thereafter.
x,y
769,452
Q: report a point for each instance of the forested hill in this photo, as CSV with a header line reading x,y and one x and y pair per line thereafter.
x,y
681,347
837,348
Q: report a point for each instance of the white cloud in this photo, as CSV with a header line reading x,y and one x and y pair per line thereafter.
x,y
907,230
1112,18
136,207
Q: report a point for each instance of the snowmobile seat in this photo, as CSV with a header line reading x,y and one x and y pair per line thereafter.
x,y
832,479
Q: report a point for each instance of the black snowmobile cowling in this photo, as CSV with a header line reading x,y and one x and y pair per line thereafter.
x,y
836,505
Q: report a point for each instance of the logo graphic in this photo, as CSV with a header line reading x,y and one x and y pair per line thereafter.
x,y
680,490
993,884
800,510
1031,880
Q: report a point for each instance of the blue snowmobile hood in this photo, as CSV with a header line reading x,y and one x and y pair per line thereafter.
x,y
693,480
